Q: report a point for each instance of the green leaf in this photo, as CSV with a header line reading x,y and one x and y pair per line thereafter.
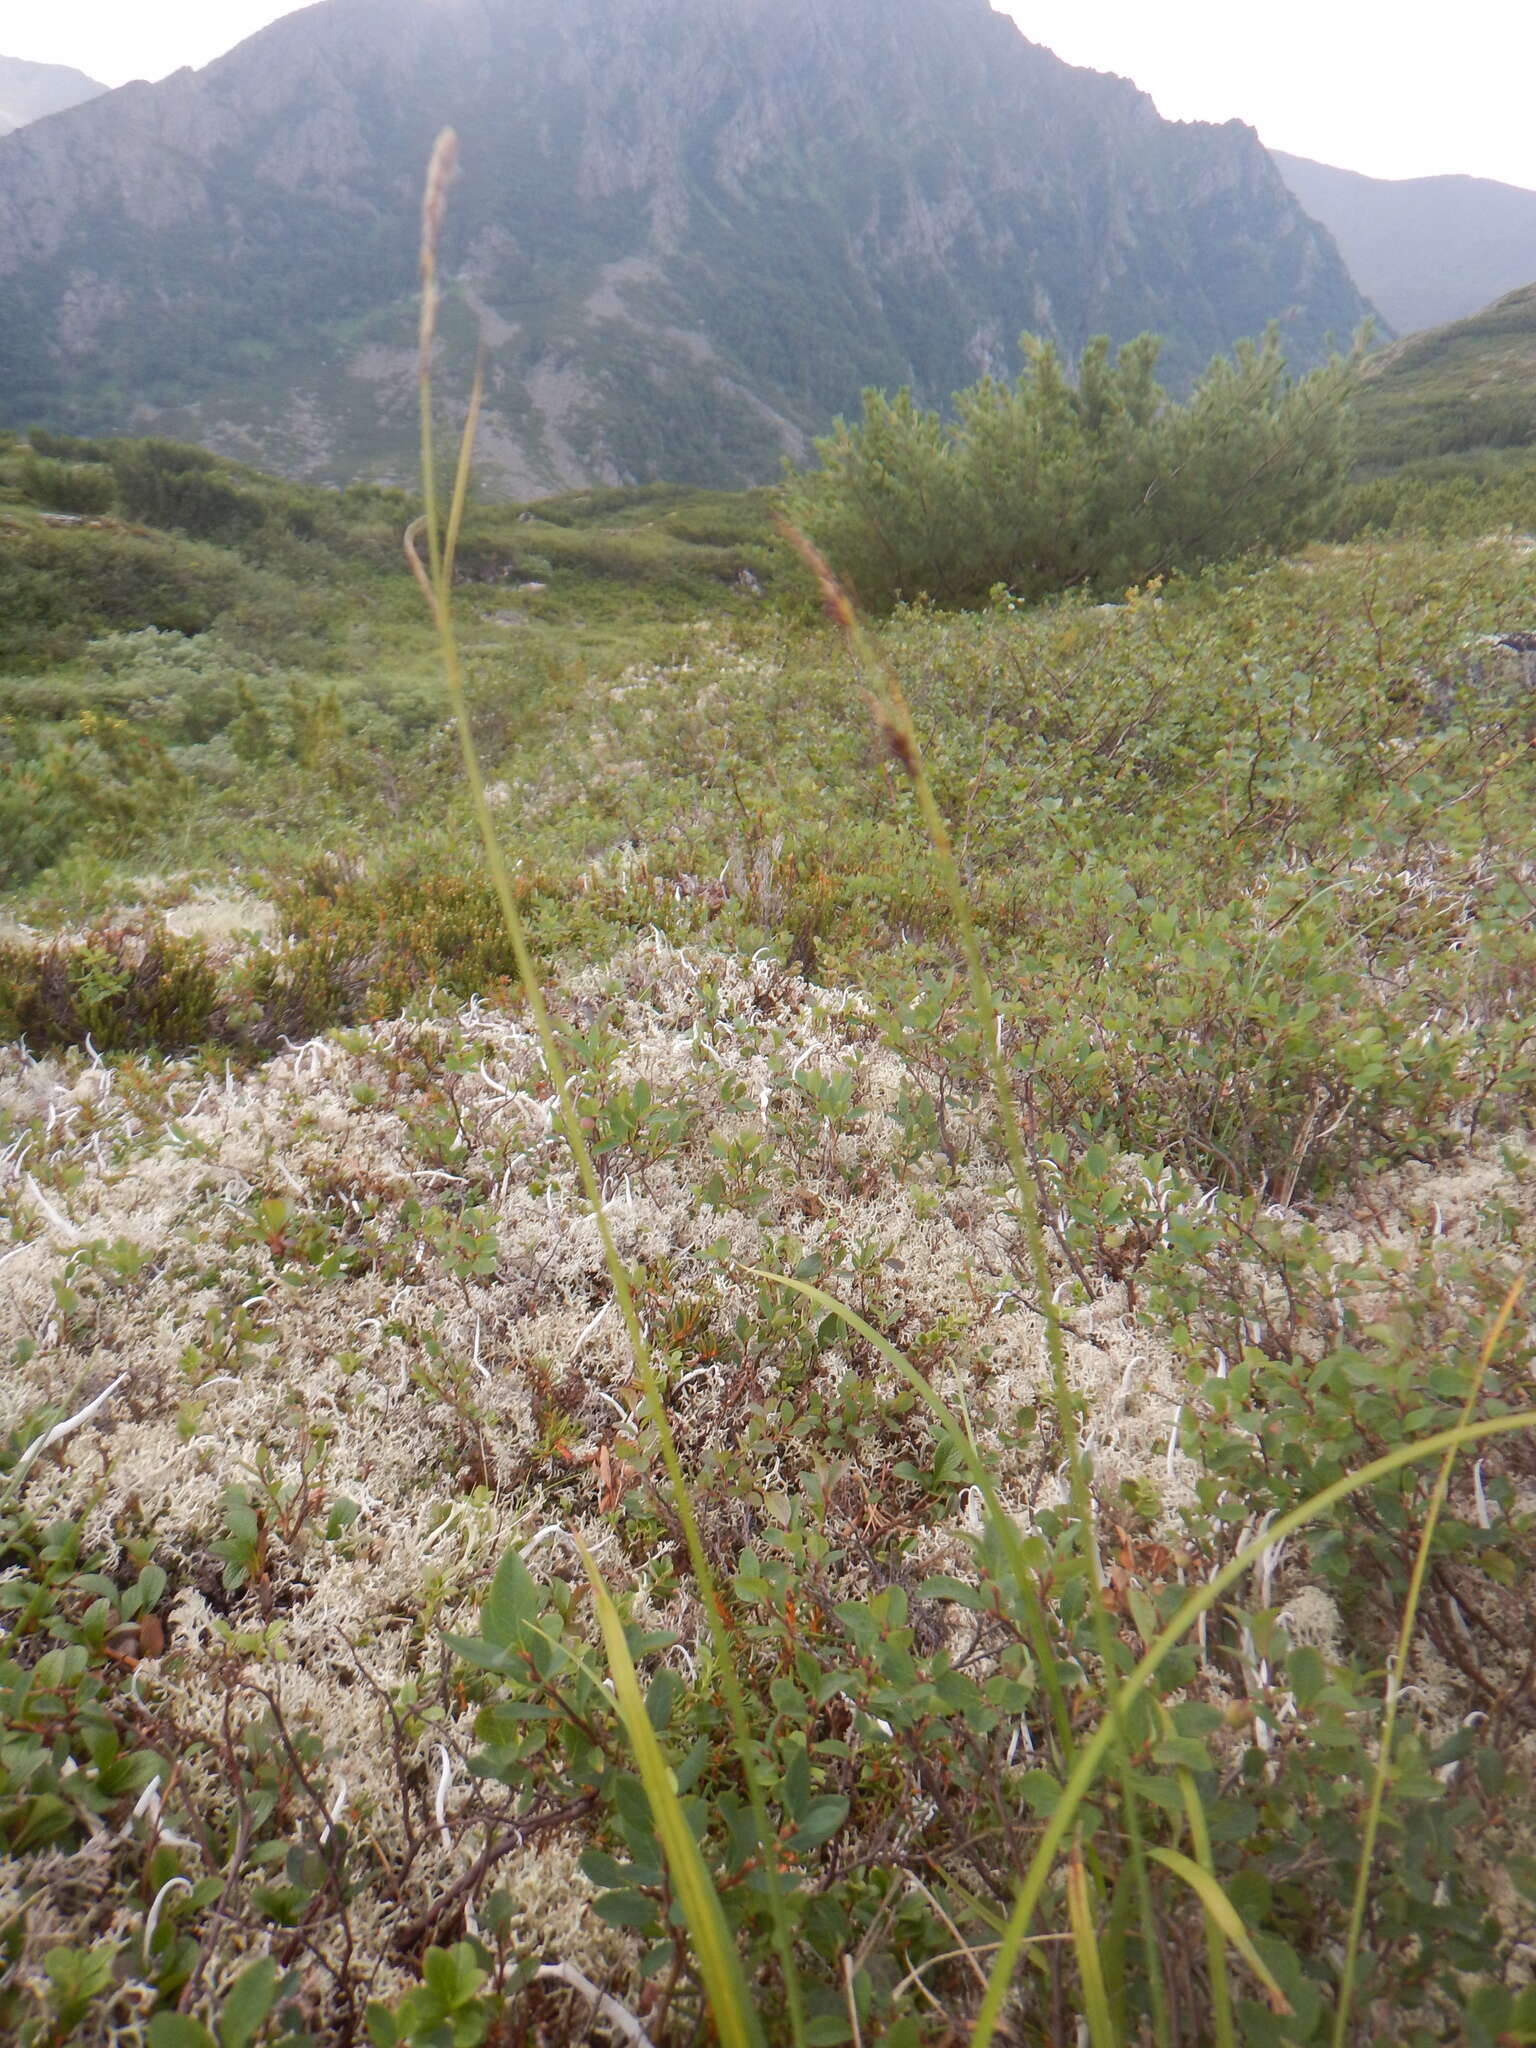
x,y
483,1655
1307,1672
176,2030
343,1514
661,1698
956,1590
1042,1791
380,2022
1491,1771
625,1909
453,1975
820,1820
827,2031
601,1868
795,1786
1181,1752
250,1999
788,1699
512,1600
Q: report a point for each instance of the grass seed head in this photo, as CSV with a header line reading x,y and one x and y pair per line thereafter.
x,y
441,173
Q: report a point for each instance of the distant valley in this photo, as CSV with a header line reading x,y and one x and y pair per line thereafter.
x,y
1423,250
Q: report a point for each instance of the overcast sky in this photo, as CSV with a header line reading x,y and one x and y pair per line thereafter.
x,y
1397,88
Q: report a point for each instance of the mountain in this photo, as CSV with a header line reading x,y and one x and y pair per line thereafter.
x,y
1461,390
1423,250
28,91
690,230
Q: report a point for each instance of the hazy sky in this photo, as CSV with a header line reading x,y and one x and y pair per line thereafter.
x,y
1393,87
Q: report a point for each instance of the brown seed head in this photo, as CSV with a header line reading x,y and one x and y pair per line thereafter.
x,y
838,604
895,737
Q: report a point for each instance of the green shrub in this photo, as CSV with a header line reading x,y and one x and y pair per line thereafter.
x,y
69,447
1047,485
102,775
80,487
61,586
1453,497
167,485
124,988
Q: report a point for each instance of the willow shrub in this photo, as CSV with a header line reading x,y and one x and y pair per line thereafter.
x,y
1045,484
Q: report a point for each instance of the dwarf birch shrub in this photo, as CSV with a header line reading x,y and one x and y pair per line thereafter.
x,y
1048,484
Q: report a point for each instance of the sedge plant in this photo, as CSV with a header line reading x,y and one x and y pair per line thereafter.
x,y
435,576
1065,1855
1109,1743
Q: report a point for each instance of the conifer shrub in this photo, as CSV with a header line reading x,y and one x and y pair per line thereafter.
x,y
168,485
1048,484
97,773
78,487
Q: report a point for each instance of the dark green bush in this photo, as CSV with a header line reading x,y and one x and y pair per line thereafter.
x,y
1047,485
80,487
62,586
168,485
69,447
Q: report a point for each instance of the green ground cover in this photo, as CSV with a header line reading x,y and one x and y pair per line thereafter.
x,y
286,1755
1465,387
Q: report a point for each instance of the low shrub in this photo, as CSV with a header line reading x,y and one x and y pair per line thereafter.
x,y
396,932
122,988
80,487
99,775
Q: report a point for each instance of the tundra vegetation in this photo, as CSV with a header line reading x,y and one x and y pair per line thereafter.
x,y
922,1435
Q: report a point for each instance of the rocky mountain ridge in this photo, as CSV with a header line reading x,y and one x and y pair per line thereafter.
x,y
690,230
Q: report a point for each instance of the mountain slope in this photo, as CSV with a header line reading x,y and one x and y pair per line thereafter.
x,y
1423,250
1455,390
693,230
28,91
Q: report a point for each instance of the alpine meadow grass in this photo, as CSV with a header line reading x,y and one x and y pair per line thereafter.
x,y
1122,1770
736,1318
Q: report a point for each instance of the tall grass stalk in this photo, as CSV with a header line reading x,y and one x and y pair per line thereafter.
x,y
898,730
1399,1665
719,1964
1095,1750
435,576
1084,1762
1216,1934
